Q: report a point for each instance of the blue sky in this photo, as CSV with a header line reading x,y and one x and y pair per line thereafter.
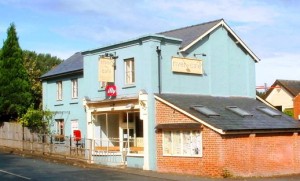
x,y
270,28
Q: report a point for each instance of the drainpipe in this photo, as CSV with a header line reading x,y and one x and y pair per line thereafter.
x,y
158,51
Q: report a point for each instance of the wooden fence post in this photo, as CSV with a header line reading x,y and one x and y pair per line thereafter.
x,y
90,150
31,143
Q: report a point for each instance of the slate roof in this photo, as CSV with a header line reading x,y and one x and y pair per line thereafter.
x,y
190,33
228,120
292,86
73,64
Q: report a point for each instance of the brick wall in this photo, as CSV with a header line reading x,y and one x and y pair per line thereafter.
x,y
236,155
297,107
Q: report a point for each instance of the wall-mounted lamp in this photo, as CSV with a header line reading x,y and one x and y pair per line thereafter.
x,y
202,54
111,55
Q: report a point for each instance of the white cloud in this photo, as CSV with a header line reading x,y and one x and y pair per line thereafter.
x,y
62,54
278,66
267,27
233,10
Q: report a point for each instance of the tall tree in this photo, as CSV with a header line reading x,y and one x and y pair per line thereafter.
x,y
15,96
36,65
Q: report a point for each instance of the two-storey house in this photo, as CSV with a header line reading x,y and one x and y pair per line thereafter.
x,y
63,92
282,93
182,101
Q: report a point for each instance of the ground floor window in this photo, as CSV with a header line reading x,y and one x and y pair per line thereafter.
x,y
60,130
60,127
182,143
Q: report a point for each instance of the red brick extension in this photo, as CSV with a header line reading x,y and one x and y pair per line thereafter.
x,y
235,155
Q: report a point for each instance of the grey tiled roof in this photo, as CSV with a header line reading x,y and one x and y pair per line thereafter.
x,y
190,33
71,65
229,121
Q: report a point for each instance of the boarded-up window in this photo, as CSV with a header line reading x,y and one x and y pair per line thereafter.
x,y
182,143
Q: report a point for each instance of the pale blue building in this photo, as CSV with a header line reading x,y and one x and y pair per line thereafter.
x,y
109,92
62,94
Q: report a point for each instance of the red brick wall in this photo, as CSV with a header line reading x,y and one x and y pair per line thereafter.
x,y
297,107
236,155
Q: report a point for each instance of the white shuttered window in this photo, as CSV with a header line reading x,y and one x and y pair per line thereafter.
x,y
129,71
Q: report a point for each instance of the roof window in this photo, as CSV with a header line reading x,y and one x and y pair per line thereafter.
x,y
268,111
204,110
238,111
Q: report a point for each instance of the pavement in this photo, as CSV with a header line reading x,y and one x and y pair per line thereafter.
x,y
153,174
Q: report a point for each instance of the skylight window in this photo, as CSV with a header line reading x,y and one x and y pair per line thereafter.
x,y
268,111
204,110
238,111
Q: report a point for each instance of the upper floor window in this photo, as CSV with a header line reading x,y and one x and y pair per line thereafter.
x,y
129,71
59,90
74,88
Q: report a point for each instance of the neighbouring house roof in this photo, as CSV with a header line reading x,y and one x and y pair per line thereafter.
x,y
223,119
192,34
73,64
291,86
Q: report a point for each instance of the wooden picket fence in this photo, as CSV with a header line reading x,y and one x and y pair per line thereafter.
x,y
13,135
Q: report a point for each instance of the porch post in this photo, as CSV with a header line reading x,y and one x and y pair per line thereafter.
x,y
143,102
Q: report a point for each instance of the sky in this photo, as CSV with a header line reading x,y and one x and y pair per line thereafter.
x,y
270,28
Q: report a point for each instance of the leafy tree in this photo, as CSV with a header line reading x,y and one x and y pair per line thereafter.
x,y
36,65
15,95
46,62
37,120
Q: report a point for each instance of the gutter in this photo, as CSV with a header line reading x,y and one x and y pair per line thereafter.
x,y
61,74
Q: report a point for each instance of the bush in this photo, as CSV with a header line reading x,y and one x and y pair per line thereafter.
x,y
37,120
289,112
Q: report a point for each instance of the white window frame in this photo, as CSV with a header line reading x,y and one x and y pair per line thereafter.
x,y
192,146
60,127
59,89
74,88
129,71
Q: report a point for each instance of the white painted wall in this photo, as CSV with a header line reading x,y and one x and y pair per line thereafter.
x,y
280,97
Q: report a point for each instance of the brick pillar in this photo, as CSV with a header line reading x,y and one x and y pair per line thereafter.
x,y
297,107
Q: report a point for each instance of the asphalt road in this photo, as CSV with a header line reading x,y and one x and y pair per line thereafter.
x,y
22,168
15,167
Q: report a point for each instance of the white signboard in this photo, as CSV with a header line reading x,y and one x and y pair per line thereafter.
x,y
106,70
187,65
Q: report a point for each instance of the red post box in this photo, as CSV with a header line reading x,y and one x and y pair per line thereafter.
x,y
77,135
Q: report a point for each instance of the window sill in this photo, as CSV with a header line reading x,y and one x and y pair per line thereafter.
x,y
61,104
74,102
128,86
101,90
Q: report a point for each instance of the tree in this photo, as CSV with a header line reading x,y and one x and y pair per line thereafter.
x,y
15,95
36,65
261,94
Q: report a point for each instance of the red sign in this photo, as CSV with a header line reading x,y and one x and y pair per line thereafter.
x,y
111,90
77,135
